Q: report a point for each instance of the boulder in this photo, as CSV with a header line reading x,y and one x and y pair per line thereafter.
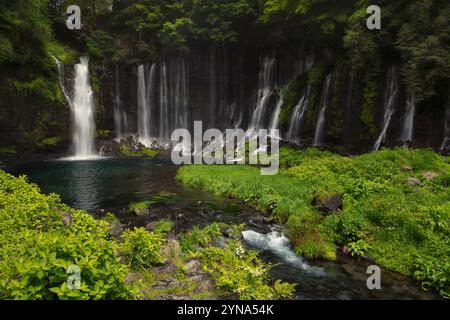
x,y
141,211
116,228
412,181
151,226
328,204
429,175
407,169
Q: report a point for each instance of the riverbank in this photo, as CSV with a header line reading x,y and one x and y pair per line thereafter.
x,y
391,206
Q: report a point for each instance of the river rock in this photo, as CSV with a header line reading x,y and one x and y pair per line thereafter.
x,y
406,168
168,267
429,175
151,226
192,266
329,204
141,211
412,181
116,228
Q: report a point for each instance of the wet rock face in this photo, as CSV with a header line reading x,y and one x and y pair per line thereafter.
x,y
328,204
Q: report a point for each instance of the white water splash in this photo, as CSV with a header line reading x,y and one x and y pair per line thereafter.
x,y
278,244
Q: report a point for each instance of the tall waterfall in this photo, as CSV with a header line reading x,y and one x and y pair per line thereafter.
x,y
144,108
83,113
390,104
275,122
324,101
163,106
265,89
446,143
120,116
408,122
298,115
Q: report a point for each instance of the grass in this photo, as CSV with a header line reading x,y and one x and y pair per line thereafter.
x,y
402,227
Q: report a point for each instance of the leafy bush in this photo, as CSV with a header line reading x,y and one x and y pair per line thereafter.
x,y
141,248
40,238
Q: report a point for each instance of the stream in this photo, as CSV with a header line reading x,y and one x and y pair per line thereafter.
x,y
110,184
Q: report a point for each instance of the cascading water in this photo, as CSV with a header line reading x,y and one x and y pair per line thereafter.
x,y
143,108
163,106
297,117
265,89
120,116
83,113
275,122
390,104
320,125
408,122
278,244
62,82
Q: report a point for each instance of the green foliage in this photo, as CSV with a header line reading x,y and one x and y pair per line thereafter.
x,y
382,216
238,271
284,290
358,248
40,238
291,96
199,238
127,151
164,226
141,248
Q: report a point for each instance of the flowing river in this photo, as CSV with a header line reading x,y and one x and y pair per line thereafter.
x,y
109,185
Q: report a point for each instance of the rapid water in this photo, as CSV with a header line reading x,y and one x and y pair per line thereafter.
x,y
390,104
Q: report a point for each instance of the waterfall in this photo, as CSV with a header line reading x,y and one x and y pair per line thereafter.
x,y
180,94
298,115
83,113
446,142
390,101
264,92
143,109
318,137
408,122
163,106
274,123
62,83
120,116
